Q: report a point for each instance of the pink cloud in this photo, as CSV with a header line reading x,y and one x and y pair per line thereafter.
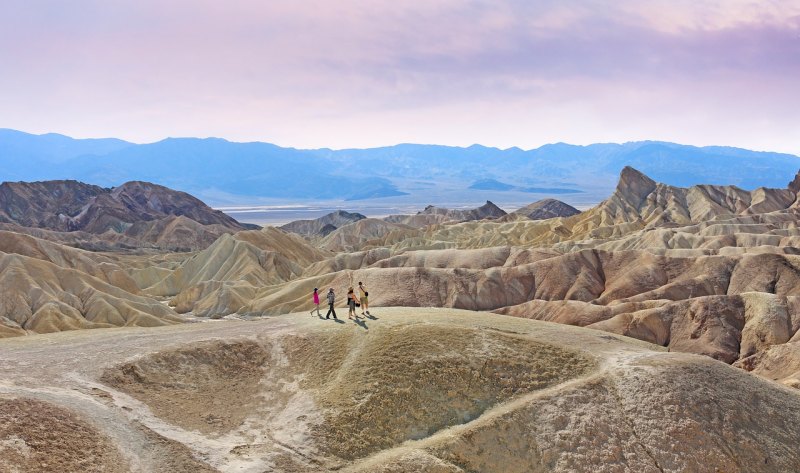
x,y
359,72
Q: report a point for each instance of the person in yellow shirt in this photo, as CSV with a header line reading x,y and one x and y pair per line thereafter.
x,y
364,298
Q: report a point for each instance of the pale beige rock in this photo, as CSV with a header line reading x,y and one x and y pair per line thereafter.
x,y
348,261
361,234
39,297
93,264
638,203
467,259
420,220
258,258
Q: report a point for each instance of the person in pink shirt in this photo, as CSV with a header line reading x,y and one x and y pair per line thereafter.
x,y
316,303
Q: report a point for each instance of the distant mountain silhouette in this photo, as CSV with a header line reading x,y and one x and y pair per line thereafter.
x,y
494,185
491,185
242,171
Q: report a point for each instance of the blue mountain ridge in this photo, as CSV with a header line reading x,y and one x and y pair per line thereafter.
x,y
266,170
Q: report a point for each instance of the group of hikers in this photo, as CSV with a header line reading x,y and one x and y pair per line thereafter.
x,y
353,301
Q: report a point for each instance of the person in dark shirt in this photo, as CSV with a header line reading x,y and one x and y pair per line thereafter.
x,y
331,300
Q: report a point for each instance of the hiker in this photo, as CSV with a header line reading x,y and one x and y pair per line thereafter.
x,y
364,298
331,300
316,303
351,303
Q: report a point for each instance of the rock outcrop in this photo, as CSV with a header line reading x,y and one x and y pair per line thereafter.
x,y
324,225
45,204
547,208
486,211
40,297
433,215
145,214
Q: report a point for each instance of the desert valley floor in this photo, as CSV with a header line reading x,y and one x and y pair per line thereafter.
x,y
658,331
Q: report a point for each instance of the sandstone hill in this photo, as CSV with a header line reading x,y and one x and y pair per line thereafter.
x,y
132,214
547,208
324,225
432,215
39,297
363,232
418,220
225,277
488,210
421,390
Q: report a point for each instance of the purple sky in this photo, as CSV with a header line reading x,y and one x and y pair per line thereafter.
x,y
358,73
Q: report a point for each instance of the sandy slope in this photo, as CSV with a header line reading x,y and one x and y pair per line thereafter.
x,y
407,390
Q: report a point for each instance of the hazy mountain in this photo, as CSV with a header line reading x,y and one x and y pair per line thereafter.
x,y
53,147
491,185
26,157
248,169
324,225
547,208
214,166
495,185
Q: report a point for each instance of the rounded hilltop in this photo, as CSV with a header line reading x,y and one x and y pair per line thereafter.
x,y
436,390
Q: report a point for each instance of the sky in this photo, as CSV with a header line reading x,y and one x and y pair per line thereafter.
x,y
364,73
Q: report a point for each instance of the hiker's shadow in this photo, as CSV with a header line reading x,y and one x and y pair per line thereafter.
x,y
371,317
361,324
339,321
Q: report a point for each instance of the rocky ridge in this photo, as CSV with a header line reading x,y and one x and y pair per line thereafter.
x,y
545,209
134,214
324,225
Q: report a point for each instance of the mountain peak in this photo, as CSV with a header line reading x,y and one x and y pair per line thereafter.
x,y
492,208
324,225
634,184
794,186
630,175
547,208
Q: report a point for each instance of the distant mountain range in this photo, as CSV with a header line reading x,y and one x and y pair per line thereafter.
x,y
221,171
494,185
